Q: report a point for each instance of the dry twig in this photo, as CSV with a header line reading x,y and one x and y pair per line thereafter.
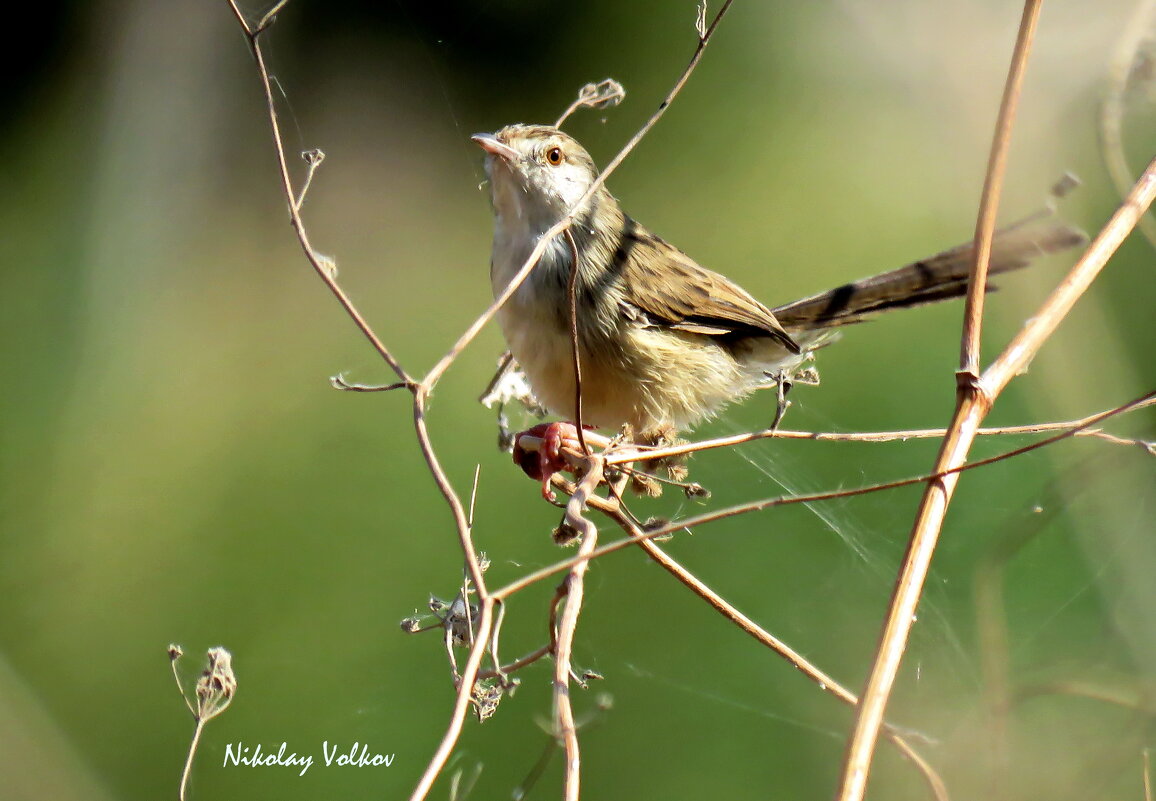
x,y
976,394
566,729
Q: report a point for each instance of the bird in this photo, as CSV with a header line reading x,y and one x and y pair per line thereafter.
x,y
664,343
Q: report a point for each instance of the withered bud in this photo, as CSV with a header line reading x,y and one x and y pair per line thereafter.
x,y
654,523
565,534
458,621
676,470
486,696
646,485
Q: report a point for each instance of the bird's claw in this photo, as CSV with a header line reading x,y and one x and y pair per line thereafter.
x,y
548,459
783,382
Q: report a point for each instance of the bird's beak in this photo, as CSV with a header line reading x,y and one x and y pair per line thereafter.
x,y
495,147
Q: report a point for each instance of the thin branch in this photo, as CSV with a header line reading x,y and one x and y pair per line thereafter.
x,y
992,186
473,496
572,297
1015,358
881,436
1147,774
811,671
420,392
461,703
753,506
313,159
975,398
499,618
1139,700
566,728
339,382
461,521
270,16
189,759
517,664
604,94
180,687
615,510
322,266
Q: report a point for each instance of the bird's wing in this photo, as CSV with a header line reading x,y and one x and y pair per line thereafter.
x,y
671,290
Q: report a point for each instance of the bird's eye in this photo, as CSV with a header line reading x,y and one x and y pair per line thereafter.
x,y
554,156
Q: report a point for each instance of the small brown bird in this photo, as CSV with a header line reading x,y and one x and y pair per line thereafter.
x,y
663,342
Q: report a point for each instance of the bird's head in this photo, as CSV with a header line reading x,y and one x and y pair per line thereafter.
x,y
537,173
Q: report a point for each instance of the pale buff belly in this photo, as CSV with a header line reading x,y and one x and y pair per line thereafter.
x,y
648,377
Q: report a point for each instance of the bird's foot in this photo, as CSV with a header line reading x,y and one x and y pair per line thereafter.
x,y
783,382
544,457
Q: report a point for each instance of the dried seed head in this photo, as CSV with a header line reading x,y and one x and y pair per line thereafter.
x,y
664,436
411,625
654,523
646,485
676,470
808,376
217,685
565,534
175,652
486,696
459,620
604,94
696,490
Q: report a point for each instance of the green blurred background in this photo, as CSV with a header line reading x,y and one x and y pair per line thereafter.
x,y
174,466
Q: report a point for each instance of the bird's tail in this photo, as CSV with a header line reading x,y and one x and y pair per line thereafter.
x,y
940,277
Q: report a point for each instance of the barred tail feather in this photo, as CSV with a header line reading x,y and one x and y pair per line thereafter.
x,y
940,277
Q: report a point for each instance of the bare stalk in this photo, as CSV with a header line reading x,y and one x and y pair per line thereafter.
x,y
461,702
322,266
807,668
768,503
1015,358
572,299
992,187
189,759
565,727
971,406
881,436
975,398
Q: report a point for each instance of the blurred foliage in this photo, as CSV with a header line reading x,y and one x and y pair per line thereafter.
x,y
175,467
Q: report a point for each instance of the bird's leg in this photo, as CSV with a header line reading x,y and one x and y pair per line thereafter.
x,y
542,462
783,384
